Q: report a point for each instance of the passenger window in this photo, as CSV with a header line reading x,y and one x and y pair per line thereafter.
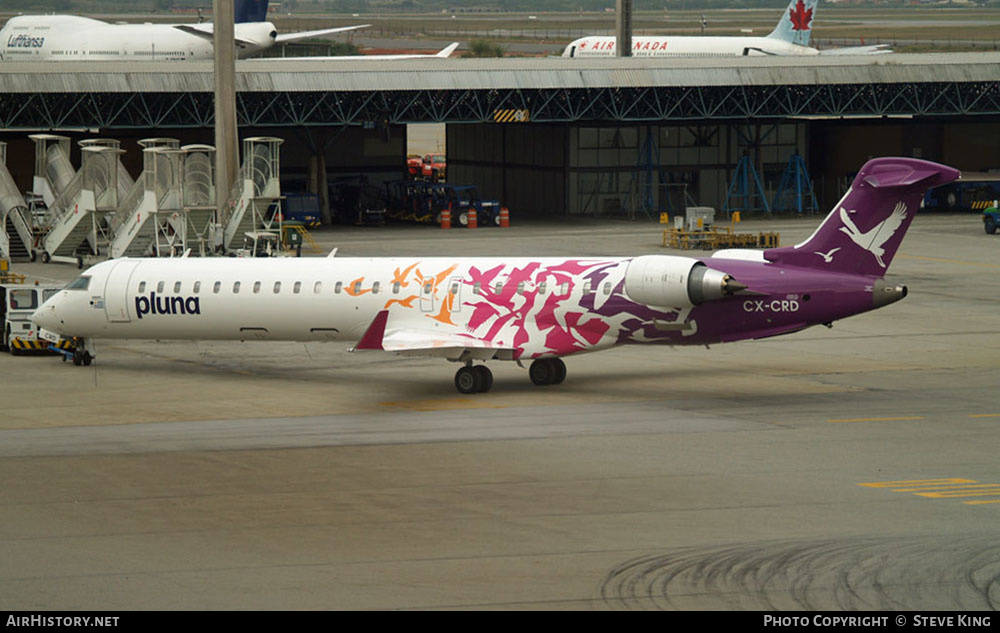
x,y
159,287
357,287
564,288
318,287
337,287
498,288
607,287
395,288
520,287
217,287
586,287
142,287
256,287
476,287
197,287
177,287
236,288
454,287
375,287
541,288
277,287
297,287
428,287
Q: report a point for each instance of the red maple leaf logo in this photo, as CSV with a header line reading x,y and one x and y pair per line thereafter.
x,y
800,17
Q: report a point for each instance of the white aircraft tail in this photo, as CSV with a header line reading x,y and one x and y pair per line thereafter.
x,y
795,25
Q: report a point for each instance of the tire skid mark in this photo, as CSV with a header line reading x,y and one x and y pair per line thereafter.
x,y
942,573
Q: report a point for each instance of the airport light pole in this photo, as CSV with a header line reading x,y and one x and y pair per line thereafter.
x,y
226,152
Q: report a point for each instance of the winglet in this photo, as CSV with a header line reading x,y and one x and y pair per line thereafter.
x,y
372,338
447,50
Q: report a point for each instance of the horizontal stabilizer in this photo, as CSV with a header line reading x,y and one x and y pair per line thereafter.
x,y
874,49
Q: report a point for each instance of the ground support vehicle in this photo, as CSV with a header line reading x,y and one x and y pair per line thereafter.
x,y
434,167
991,219
461,199
18,301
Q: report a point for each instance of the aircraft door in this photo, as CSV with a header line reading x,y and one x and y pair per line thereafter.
x,y
116,292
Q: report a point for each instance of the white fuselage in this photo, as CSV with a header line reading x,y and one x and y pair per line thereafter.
x,y
505,301
686,46
73,38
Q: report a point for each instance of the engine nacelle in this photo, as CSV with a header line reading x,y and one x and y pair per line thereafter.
x,y
676,282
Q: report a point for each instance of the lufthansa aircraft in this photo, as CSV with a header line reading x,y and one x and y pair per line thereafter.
x,y
790,37
29,38
469,309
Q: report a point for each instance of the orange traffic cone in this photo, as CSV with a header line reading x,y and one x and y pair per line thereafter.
x,y
504,217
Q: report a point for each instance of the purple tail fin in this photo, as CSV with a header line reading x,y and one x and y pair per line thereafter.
x,y
864,230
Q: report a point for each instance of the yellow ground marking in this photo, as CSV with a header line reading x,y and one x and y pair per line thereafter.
x,y
949,488
918,482
983,490
899,419
984,415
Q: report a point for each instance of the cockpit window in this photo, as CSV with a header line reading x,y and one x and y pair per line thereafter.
x,y
80,283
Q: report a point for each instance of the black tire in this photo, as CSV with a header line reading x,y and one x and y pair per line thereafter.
x,y
560,370
542,372
990,224
467,380
46,258
485,376
77,358
87,358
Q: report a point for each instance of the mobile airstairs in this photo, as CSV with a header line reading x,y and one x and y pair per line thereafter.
x,y
255,193
148,220
75,224
15,224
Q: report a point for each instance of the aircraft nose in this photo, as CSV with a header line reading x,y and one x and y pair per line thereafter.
x,y
45,316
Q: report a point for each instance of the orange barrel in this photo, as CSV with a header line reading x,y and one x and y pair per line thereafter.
x,y
504,217
473,220
446,219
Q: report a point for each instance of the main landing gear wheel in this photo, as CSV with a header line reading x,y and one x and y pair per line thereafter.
x,y
474,379
547,371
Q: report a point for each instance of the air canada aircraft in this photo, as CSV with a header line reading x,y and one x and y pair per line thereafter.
x,y
478,309
789,37
28,38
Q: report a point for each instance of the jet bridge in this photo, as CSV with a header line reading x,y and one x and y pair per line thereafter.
x,y
15,224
